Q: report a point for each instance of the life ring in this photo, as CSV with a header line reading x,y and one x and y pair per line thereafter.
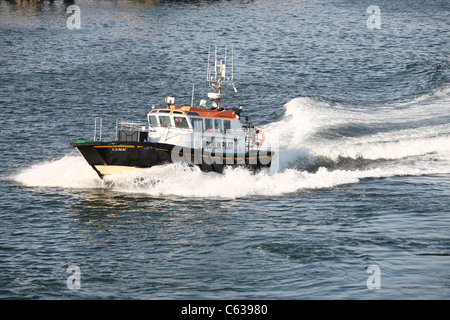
x,y
259,137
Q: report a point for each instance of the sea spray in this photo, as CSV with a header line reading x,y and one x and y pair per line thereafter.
x,y
68,172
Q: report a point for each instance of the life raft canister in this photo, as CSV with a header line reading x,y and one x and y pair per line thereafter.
x,y
259,137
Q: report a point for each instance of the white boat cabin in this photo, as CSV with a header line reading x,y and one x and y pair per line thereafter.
x,y
192,127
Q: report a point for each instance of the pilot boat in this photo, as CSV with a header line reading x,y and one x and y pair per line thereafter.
x,y
209,136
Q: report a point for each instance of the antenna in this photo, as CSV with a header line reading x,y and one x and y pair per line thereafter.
x,y
192,99
215,63
224,66
208,71
232,60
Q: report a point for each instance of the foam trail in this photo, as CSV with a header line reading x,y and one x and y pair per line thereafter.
x,y
305,117
182,181
174,179
67,172
395,147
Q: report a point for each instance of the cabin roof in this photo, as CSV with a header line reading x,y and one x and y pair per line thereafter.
x,y
206,113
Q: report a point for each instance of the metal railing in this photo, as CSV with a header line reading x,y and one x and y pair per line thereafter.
x,y
115,125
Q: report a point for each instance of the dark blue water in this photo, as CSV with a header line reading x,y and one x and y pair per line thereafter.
x,y
363,120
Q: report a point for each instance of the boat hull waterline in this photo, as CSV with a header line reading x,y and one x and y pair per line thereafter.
x,y
116,157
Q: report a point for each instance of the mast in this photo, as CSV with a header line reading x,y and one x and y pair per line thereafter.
x,y
219,76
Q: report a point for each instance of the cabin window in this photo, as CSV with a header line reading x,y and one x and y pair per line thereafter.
x,y
165,121
218,124
208,124
177,112
180,122
153,121
226,125
164,111
197,124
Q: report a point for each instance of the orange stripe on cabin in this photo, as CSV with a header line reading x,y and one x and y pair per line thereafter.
x,y
227,114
